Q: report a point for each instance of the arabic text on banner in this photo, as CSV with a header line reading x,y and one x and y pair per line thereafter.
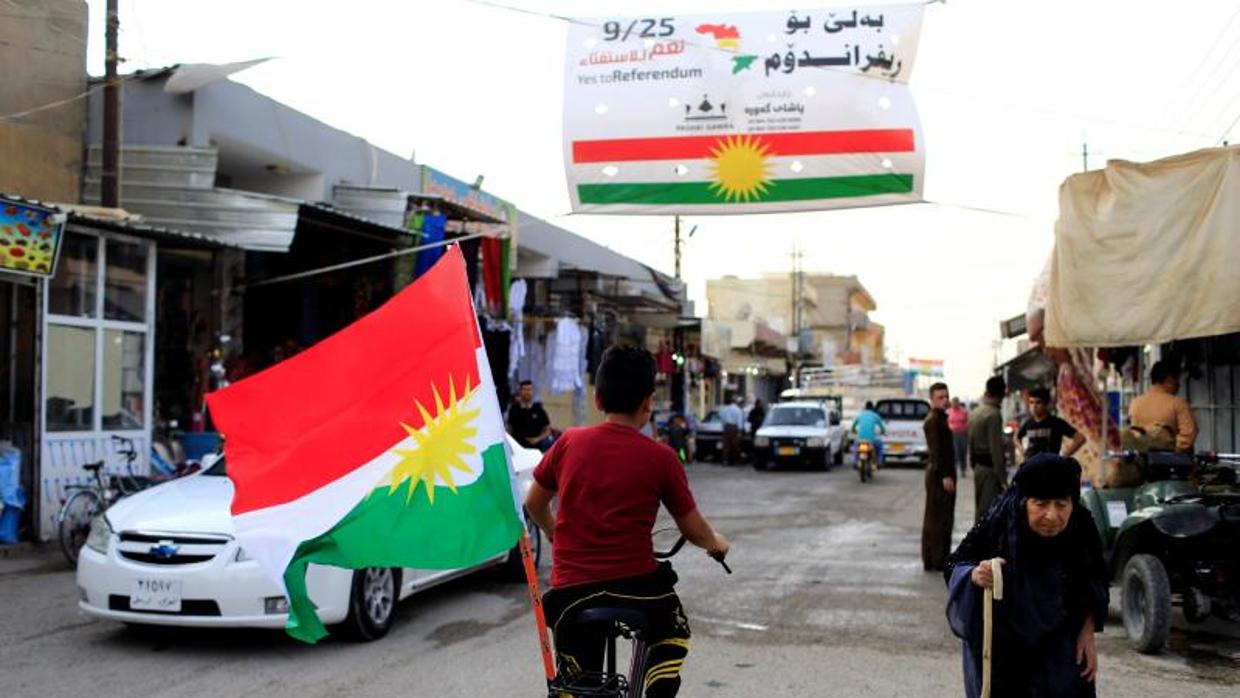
x,y
743,113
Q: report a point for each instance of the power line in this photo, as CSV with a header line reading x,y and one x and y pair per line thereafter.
x,y
61,102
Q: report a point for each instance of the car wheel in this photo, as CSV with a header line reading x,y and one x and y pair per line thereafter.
x,y
1197,606
372,603
1146,602
839,453
514,566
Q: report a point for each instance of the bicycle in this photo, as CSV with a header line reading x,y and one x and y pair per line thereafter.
x,y
73,519
615,623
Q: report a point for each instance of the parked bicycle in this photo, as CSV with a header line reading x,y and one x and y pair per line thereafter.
x,y
74,518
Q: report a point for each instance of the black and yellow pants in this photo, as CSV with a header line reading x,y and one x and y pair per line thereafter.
x,y
580,648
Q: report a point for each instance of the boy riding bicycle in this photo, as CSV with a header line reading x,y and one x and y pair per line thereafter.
x,y
610,481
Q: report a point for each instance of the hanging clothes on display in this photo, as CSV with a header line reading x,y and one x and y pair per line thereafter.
x,y
493,274
516,314
579,393
432,232
471,250
532,365
496,337
563,354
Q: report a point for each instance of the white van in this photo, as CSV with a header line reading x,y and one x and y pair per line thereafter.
x,y
905,440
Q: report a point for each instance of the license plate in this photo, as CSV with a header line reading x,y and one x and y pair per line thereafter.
x,y
788,450
896,448
156,595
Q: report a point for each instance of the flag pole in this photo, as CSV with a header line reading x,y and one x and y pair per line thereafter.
x,y
540,619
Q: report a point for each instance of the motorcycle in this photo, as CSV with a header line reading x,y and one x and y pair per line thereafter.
x,y
865,460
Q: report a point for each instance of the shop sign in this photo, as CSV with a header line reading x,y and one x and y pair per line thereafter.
x,y
458,192
30,238
743,112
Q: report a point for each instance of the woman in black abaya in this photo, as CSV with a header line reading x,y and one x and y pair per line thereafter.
x,y
1055,587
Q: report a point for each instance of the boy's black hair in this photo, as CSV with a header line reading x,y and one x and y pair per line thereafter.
x,y
1041,393
524,383
1163,370
624,379
937,387
996,387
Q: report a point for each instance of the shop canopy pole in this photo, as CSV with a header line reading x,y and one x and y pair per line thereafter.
x,y
355,263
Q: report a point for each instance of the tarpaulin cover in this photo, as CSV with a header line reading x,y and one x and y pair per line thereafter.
x,y
1147,253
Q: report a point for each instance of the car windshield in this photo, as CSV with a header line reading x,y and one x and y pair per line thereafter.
x,y
217,468
795,416
713,417
903,409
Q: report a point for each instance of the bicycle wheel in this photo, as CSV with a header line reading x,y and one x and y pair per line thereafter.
x,y
74,522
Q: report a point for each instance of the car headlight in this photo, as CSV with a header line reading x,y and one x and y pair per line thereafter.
x,y
100,534
815,442
241,555
761,441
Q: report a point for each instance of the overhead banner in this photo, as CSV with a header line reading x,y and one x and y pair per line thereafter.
x,y
743,113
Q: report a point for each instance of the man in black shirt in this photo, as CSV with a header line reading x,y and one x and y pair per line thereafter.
x,y
1043,432
528,421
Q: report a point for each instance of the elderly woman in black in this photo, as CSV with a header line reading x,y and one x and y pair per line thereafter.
x,y
1055,587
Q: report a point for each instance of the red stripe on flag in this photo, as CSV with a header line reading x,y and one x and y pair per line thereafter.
x,y
896,140
310,420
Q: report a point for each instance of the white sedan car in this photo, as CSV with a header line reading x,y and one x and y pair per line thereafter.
x,y
167,556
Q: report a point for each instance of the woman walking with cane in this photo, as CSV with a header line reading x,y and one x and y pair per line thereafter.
x,y
1055,588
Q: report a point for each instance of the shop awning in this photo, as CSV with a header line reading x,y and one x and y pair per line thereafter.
x,y
1147,253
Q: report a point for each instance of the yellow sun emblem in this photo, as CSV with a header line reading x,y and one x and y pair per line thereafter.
x,y
740,168
441,443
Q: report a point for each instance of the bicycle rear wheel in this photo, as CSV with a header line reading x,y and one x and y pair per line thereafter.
x,y
74,522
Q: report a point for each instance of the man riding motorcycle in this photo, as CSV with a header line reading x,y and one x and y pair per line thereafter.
x,y
869,427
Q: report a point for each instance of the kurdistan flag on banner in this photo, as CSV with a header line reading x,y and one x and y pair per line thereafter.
x,y
381,446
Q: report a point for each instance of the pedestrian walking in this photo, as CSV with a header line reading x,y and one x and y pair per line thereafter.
x,y
986,447
1043,432
958,422
940,515
1055,587
733,423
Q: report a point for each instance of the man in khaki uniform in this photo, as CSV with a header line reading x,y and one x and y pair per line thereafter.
x,y
1160,408
986,447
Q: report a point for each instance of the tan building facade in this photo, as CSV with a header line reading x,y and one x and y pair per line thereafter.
x,y
43,51
834,310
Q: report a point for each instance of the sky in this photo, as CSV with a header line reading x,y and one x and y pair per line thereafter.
x,y
1008,92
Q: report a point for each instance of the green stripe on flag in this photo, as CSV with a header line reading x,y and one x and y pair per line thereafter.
x,y
778,190
387,529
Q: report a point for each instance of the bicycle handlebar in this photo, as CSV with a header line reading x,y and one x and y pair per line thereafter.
x,y
680,543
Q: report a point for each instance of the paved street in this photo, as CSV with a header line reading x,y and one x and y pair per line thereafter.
x,y
828,599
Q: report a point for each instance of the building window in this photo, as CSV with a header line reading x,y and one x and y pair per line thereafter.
x,y
124,379
70,378
97,360
125,282
73,291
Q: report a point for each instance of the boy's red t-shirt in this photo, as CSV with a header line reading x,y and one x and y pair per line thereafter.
x,y
610,480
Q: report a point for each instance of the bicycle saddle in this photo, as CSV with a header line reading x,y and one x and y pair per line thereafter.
x,y
633,620
92,467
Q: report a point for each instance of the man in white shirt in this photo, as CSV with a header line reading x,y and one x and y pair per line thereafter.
x,y
733,423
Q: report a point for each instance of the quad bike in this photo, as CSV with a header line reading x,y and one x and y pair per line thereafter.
x,y
1173,539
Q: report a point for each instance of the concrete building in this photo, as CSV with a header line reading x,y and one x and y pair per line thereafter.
x,y
834,314
43,51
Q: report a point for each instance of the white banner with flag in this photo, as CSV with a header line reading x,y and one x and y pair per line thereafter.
x,y
743,113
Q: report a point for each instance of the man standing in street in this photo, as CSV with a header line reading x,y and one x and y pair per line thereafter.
x,y
1161,409
528,421
756,416
986,447
1043,432
958,422
940,516
733,423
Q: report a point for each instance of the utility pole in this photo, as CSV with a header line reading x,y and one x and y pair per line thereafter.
x,y
110,184
676,244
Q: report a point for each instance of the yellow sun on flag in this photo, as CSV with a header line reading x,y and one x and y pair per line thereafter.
x,y
740,168
441,443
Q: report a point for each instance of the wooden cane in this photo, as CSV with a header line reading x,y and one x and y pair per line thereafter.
x,y
994,592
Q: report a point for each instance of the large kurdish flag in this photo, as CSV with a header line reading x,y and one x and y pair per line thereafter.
x,y
708,171
381,446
